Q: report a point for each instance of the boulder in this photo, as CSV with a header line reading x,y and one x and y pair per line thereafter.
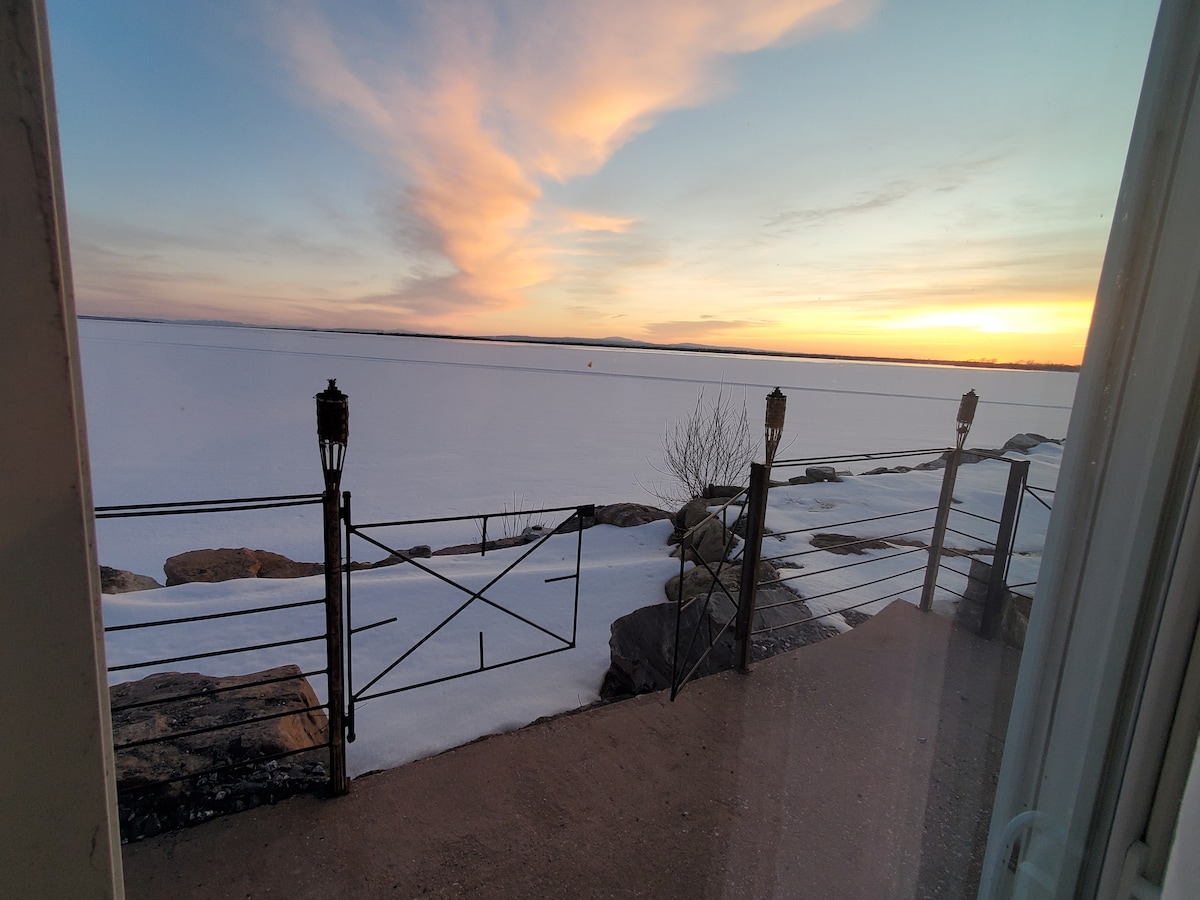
x,y
629,515
187,779
227,564
210,701
692,513
642,647
121,581
697,583
710,541
642,644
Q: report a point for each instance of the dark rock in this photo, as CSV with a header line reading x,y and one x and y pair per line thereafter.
x,y
693,513
498,544
642,644
969,612
642,647
845,544
120,581
722,491
1025,442
854,617
629,515
1014,612
227,564
822,473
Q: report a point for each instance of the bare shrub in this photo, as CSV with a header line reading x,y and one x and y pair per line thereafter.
x,y
711,445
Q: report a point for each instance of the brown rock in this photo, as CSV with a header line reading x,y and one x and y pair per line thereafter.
x,y
846,545
629,515
226,564
121,581
240,739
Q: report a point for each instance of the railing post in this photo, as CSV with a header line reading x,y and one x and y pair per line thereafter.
x,y
966,415
338,782
993,608
333,434
756,515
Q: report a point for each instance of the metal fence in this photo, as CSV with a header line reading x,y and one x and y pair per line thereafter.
x,y
763,603
381,536
238,776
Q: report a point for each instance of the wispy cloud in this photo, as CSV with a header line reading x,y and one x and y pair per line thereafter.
x,y
476,105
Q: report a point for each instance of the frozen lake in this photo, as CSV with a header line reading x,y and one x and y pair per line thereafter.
x,y
445,427
179,412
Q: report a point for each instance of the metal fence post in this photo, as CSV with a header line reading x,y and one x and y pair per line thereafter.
x,y
333,433
993,608
338,781
756,515
966,415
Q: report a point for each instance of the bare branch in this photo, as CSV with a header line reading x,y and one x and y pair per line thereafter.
x,y
712,445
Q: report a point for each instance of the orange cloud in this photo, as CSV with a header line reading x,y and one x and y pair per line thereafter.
x,y
479,102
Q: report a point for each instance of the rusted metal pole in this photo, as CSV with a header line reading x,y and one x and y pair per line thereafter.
x,y
993,607
756,515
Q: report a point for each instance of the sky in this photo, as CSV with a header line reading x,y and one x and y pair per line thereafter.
x,y
928,179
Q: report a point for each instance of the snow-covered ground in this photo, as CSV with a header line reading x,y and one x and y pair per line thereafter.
x,y
439,428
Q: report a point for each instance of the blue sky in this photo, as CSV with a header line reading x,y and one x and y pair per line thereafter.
x,y
890,178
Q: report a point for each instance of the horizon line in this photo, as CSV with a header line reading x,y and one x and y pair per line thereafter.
x,y
614,342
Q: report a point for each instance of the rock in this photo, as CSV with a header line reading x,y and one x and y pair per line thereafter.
x,y
230,705
462,549
532,533
273,565
710,541
822,473
692,513
120,581
642,646
697,582
722,491
845,544
227,564
969,611
1025,442
1014,614
629,515
854,617
147,806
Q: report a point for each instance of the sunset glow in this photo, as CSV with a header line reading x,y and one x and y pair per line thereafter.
x,y
854,177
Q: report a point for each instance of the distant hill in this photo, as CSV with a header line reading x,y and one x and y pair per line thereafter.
x,y
615,342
